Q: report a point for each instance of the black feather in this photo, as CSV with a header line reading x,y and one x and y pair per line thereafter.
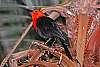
x,y
47,28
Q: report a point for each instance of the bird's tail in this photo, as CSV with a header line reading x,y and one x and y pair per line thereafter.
x,y
65,46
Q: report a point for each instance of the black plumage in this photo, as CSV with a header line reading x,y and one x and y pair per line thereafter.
x,y
47,28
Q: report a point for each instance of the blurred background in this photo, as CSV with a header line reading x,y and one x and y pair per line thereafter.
x,y
14,18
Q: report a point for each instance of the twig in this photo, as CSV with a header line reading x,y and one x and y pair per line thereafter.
x,y
16,44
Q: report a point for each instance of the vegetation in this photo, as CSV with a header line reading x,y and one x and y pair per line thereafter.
x,y
13,21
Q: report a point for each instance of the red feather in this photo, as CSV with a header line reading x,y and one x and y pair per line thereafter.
x,y
35,16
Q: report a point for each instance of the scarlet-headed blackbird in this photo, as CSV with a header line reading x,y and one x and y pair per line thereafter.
x,y
48,29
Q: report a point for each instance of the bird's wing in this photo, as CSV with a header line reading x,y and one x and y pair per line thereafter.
x,y
49,28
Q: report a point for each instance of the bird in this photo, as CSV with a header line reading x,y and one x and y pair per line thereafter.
x,y
49,30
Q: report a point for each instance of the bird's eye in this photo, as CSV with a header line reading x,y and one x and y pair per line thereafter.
x,y
36,11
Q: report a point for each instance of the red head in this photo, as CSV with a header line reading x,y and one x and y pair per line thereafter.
x,y
35,16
